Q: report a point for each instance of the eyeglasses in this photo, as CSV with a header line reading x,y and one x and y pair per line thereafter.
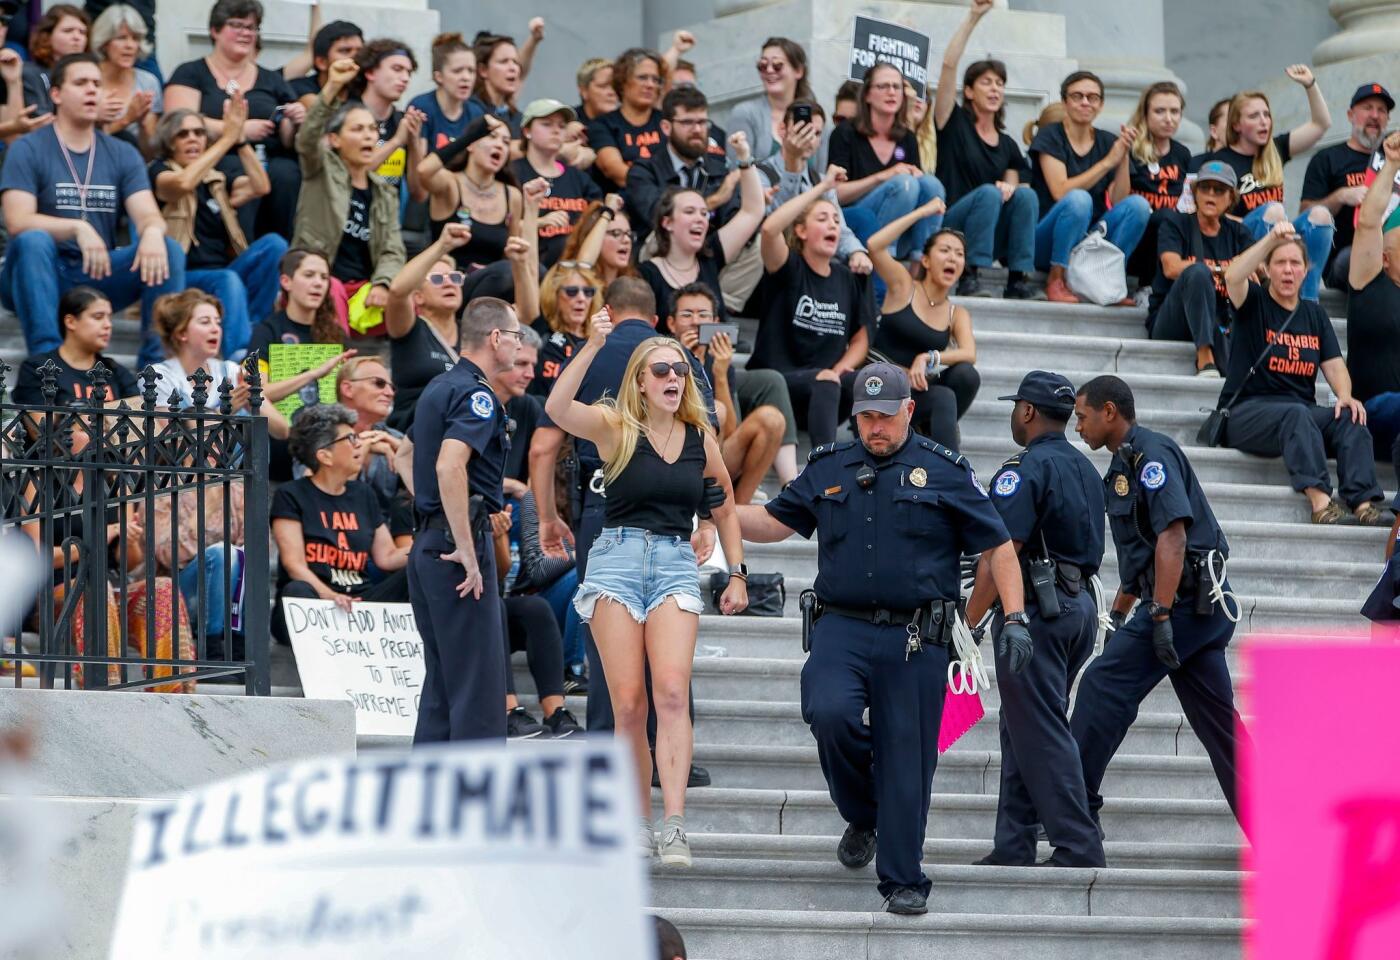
x,y
659,370
573,290
519,335
886,87
693,122
771,66
617,233
1077,97
456,278
354,439
704,316
242,26
379,382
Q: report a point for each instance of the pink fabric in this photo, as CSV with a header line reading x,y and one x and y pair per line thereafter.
x,y
961,711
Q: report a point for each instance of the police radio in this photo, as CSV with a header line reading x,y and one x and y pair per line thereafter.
x,y
1041,572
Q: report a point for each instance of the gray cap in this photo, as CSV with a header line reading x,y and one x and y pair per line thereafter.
x,y
1218,171
880,387
546,107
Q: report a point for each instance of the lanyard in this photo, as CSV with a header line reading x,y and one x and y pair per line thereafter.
x,y
73,171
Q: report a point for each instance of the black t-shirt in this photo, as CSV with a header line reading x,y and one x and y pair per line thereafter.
x,y
966,161
338,531
711,263
1160,182
1251,194
307,86
524,415
72,382
1052,141
415,359
1289,372
395,165
1176,235
1373,338
570,191
1331,169
852,151
633,142
269,92
559,348
352,260
808,320
210,249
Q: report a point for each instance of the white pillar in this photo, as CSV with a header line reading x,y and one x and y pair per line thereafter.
x,y
1369,28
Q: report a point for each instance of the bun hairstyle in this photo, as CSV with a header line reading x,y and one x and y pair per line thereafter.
x,y
445,45
75,301
1053,113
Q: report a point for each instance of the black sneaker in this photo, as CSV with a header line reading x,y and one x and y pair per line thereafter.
x,y
970,284
699,776
521,726
575,680
857,847
1021,289
907,901
992,860
561,724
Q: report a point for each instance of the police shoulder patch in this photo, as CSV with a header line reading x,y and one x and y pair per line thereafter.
x,y
483,406
823,449
1006,483
1153,475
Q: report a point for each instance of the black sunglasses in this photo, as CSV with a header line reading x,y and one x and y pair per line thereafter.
x,y
659,369
572,291
379,382
455,278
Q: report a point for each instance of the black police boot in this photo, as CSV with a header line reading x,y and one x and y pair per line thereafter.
x,y
907,901
992,860
857,847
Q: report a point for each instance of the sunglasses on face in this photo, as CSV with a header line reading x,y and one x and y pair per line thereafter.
x,y
455,278
659,370
572,291
379,382
771,66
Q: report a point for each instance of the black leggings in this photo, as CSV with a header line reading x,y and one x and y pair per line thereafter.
x,y
938,409
819,405
530,626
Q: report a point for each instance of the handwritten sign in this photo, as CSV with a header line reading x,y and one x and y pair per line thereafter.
x,y
433,853
876,41
1321,792
372,657
286,360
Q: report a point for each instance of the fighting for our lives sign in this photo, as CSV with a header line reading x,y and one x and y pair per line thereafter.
x,y
371,656
437,853
876,41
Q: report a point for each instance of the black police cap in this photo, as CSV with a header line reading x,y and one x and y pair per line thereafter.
x,y
1044,389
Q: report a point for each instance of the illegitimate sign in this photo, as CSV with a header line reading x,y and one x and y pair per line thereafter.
x,y
876,41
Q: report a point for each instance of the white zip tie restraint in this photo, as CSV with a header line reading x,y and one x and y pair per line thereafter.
x,y
1218,593
1105,623
967,672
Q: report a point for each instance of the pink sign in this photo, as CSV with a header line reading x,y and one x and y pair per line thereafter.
x,y
1322,795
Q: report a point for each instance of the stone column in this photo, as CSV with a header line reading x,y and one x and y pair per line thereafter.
x,y
1369,28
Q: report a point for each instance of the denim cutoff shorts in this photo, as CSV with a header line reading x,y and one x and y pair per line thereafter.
x,y
639,570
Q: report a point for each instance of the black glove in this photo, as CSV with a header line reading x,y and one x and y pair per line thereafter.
x,y
1162,643
1116,619
1014,645
978,633
714,498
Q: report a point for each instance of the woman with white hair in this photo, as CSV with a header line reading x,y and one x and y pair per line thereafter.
x,y
133,102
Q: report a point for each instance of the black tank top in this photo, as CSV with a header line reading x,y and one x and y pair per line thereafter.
x,y
488,242
655,495
416,358
902,335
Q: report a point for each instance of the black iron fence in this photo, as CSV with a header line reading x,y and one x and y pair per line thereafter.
x,y
154,520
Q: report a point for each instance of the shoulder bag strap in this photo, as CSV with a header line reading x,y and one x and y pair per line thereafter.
x,y
1260,359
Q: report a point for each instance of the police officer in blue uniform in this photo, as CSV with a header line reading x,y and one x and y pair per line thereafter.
x,y
459,455
1171,555
1051,499
892,514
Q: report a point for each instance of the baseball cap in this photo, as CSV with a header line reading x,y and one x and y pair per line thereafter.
x,y
881,388
545,107
1367,90
1218,171
1044,389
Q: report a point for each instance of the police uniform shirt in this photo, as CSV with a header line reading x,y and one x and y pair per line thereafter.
x,y
459,405
1050,489
896,544
1150,494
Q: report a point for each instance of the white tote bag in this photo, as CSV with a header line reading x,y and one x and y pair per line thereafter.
x,y
1096,271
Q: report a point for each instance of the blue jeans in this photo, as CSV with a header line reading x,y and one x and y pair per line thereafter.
x,y
247,288
1066,223
891,200
1317,238
35,273
997,230
1383,420
215,594
559,594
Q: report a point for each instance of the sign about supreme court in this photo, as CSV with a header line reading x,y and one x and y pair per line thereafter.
x,y
371,656
437,853
877,41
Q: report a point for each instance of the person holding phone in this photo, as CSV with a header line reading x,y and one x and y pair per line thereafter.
x,y
782,69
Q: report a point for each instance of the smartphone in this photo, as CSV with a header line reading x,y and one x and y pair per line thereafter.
x,y
802,113
277,115
708,331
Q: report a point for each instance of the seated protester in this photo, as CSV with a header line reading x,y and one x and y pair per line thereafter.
x,y
570,189
363,387
688,159
749,441
919,118
1189,300
347,210
329,526
1215,127
596,95
555,579
304,313
1258,158
56,241
86,318
687,250
1273,406
1157,166
337,40
923,331
632,132
190,325
500,73
816,313
421,320
134,102
1336,177
568,295
386,68
847,103
884,179
1077,170
206,84
61,32
201,187
980,168
448,108
602,241
782,69
1373,309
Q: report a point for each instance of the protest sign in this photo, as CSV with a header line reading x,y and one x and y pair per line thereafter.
x,y
371,656
876,41
437,853
286,360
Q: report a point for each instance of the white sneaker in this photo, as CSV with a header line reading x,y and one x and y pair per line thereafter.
x,y
646,840
1143,296
674,848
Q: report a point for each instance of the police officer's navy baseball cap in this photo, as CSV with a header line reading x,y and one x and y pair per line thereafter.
x,y
1044,389
1368,90
1218,171
880,387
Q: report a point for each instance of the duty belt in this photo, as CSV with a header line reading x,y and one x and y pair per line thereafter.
x,y
879,615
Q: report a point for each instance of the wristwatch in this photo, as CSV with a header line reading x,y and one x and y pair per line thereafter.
x,y
740,570
745,164
1155,610
1019,617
